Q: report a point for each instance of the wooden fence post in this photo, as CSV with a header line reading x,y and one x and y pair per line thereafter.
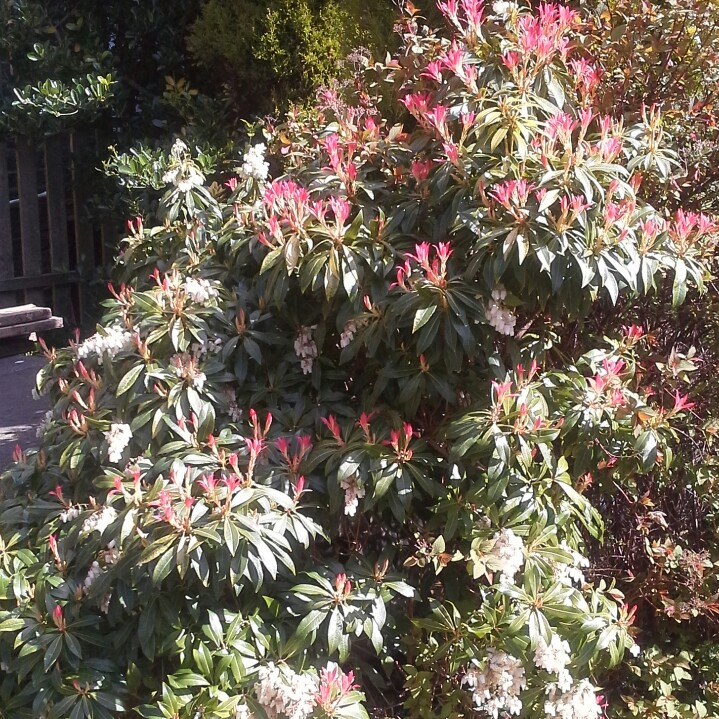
x,y
109,230
57,223
29,215
7,299
84,233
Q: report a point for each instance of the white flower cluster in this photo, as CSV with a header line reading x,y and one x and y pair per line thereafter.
x,y
184,177
306,348
69,514
578,703
93,573
554,657
117,438
348,334
110,556
351,328
178,149
100,520
503,9
508,550
115,339
183,173
242,711
199,290
354,491
285,694
201,349
569,574
185,367
233,409
500,317
496,688
254,164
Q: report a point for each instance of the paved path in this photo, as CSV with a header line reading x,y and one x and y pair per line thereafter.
x,y
20,414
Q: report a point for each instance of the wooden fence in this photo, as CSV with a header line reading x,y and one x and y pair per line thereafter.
x,y
49,246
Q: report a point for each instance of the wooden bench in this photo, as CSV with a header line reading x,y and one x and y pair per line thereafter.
x,y
23,320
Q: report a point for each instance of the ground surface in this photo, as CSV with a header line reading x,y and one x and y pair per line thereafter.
x,y
20,414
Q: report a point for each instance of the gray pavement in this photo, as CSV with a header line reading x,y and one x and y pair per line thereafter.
x,y
20,414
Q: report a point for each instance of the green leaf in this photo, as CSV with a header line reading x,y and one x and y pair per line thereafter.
x,y
129,379
164,566
679,289
334,630
12,625
310,623
232,536
422,316
203,659
53,652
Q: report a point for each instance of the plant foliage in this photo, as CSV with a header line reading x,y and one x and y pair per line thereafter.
x,y
330,417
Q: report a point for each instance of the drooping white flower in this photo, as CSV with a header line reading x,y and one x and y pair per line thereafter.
x,y
93,573
69,514
306,348
242,711
111,554
508,549
553,658
580,702
354,491
348,333
233,409
570,574
209,347
502,8
199,290
109,557
110,342
283,692
254,164
500,317
118,437
496,687
179,148
100,520
184,176
187,368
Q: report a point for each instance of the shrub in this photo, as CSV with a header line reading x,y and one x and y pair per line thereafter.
x,y
664,54
347,414
661,534
54,70
268,54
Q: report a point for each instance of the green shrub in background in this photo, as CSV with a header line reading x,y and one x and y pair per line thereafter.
x,y
269,53
355,412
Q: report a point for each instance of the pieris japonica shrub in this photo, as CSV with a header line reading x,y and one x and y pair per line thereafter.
x,y
329,453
